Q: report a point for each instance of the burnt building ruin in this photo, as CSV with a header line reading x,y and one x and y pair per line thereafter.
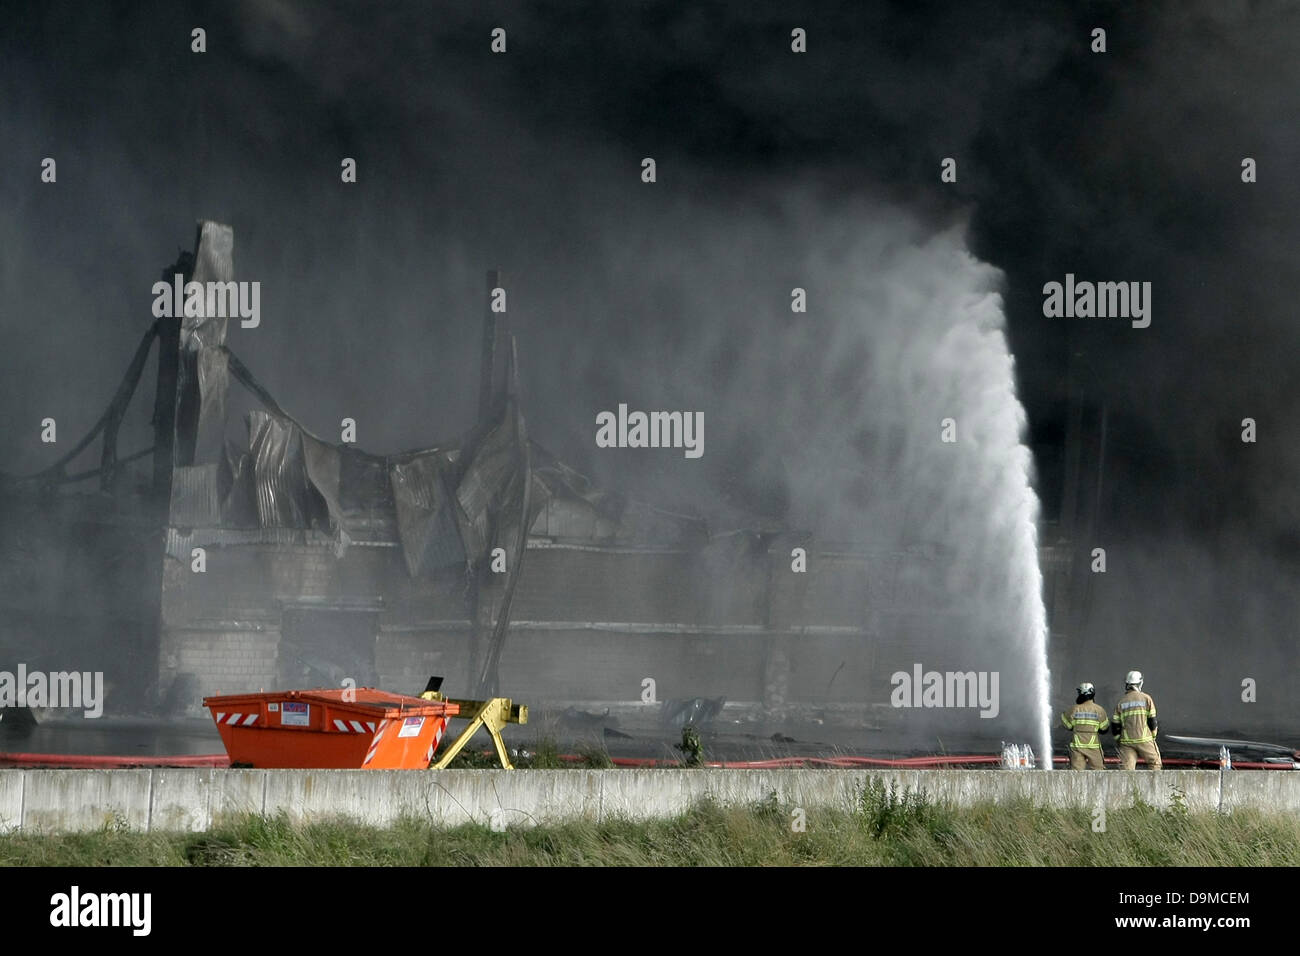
x,y
205,565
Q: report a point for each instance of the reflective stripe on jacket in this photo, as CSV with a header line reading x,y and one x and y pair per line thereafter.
x,y
1085,719
1131,714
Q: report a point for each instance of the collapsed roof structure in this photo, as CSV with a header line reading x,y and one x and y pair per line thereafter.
x,y
287,560
446,508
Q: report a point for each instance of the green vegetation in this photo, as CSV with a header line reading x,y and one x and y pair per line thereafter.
x,y
881,828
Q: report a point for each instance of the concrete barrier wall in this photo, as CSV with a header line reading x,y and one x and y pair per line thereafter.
x,y
195,799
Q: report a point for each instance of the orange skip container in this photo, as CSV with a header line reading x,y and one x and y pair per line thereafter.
x,y
320,729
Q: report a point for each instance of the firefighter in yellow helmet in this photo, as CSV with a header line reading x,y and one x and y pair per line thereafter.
x,y
1088,720
1134,724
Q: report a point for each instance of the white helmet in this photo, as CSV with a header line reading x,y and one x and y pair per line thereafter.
x,y
1133,679
1085,689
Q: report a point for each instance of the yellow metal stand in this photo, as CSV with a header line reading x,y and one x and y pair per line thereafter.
x,y
491,714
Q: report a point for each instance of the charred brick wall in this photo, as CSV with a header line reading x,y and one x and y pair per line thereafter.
x,y
590,624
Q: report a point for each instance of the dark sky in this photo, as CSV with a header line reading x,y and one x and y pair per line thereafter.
x,y
1117,166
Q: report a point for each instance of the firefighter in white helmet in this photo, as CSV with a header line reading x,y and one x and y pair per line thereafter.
x,y
1088,720
1134,725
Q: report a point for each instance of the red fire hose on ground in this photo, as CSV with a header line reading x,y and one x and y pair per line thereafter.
x,y
92,762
